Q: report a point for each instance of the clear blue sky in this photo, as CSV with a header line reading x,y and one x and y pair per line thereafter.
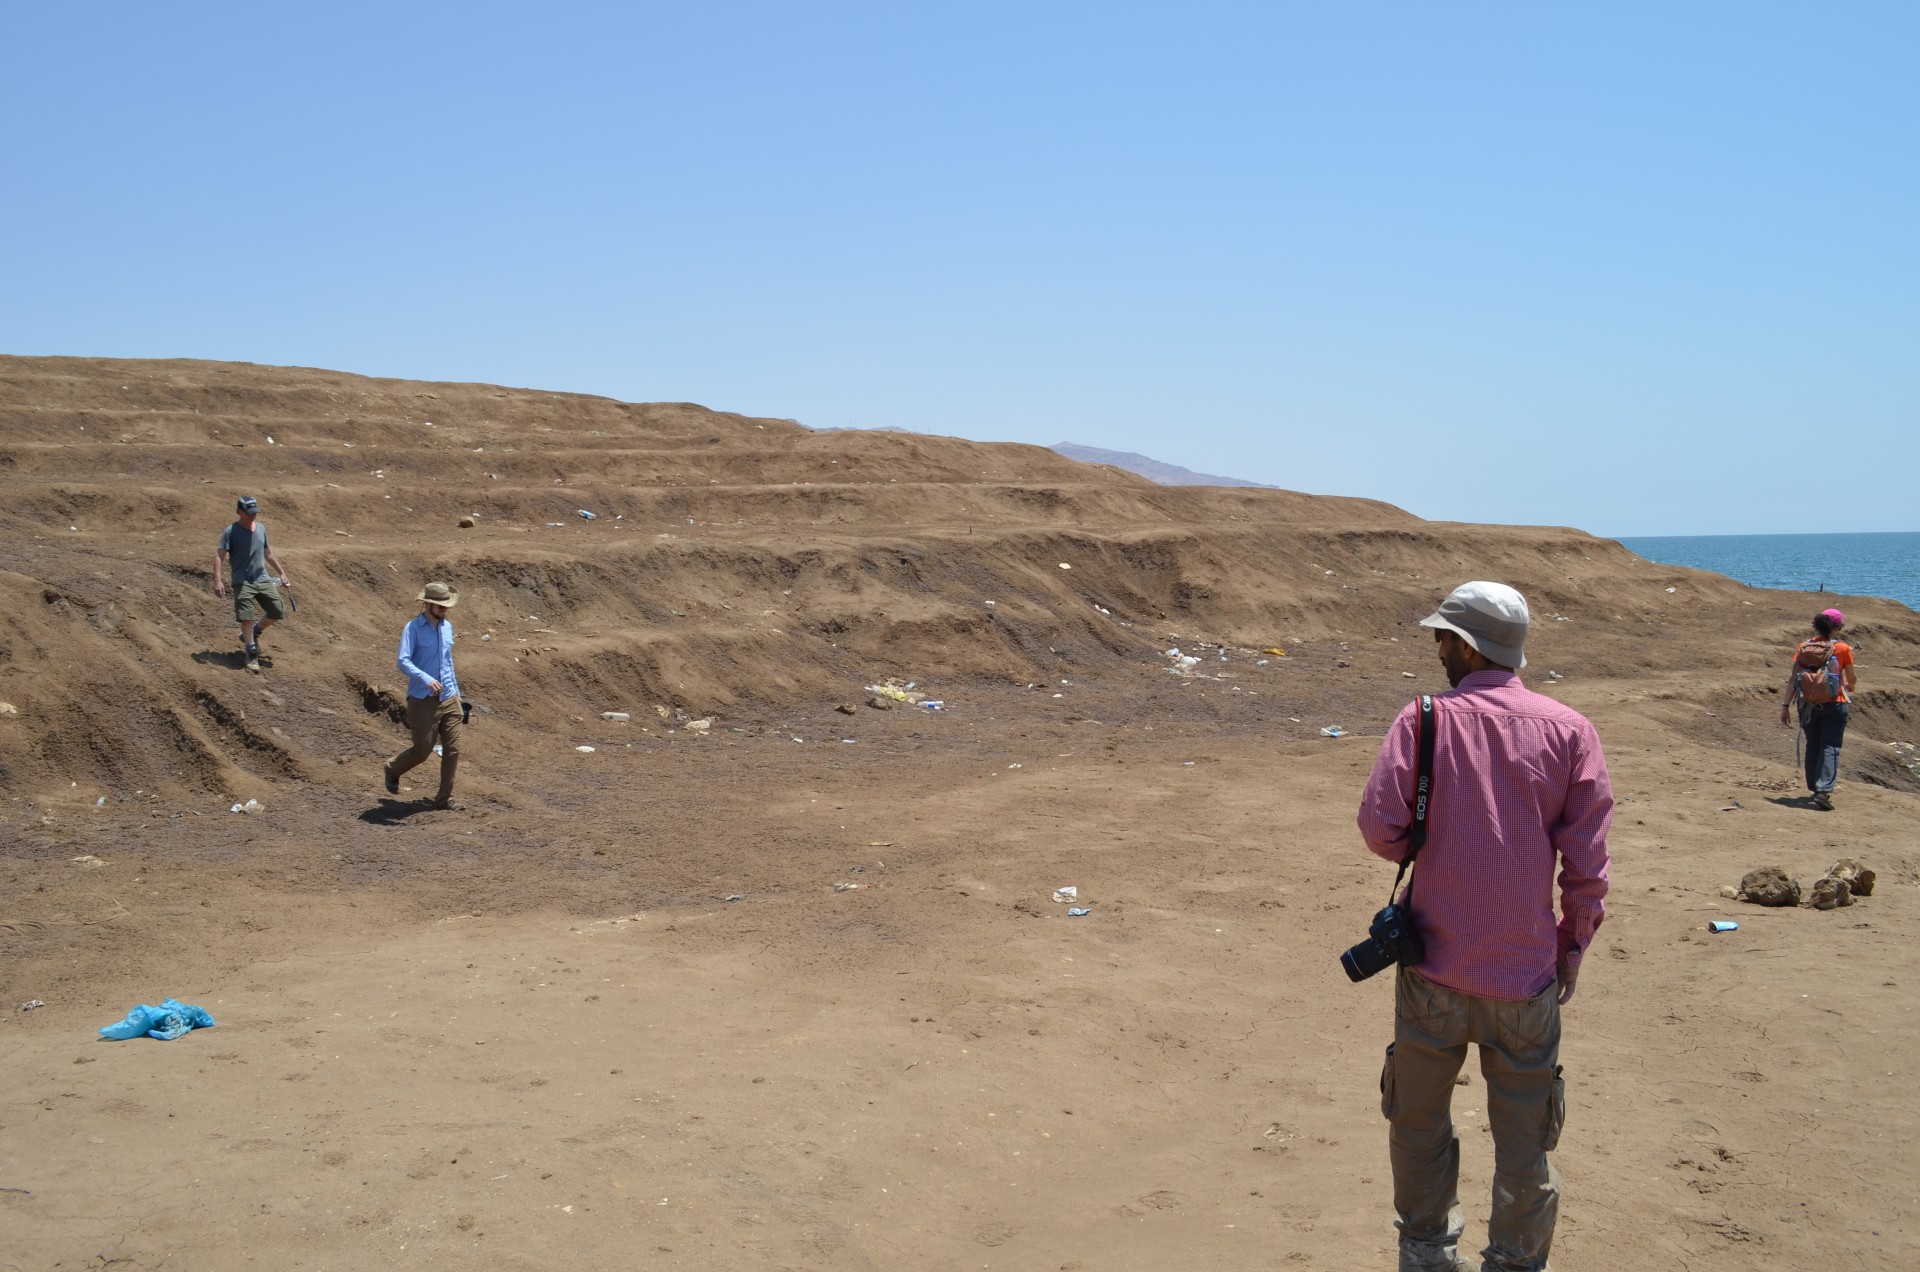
x,y
1638,268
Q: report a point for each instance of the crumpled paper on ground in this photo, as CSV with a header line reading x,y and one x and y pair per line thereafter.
x,y
166,1022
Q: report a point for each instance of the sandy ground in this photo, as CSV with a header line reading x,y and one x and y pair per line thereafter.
x,y
617,1013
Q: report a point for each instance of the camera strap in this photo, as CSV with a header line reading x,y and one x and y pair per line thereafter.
x,y
1422,800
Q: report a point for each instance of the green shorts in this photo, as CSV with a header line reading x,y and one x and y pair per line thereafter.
x,y
250,599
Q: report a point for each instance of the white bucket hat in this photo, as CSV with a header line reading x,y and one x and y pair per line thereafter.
x,y
1491,617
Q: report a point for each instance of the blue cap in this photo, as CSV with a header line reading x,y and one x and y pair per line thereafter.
x,y
248,504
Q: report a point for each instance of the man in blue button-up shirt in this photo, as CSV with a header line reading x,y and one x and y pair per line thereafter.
x,y
433,695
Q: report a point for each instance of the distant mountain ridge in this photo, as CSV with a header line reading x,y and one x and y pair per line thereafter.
x,y
1151,469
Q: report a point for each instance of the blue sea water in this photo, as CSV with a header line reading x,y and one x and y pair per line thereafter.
x,y
1854,564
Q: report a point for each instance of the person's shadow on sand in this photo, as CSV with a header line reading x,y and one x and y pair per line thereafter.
x,y
392,812
1793,801
234,659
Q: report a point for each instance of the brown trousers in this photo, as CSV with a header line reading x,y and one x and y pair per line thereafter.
x,y
432,721
1525,1105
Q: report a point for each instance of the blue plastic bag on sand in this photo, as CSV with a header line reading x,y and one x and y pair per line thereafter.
x,y
166,1022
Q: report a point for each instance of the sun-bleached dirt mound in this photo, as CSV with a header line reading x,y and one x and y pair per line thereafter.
x,y
619,1005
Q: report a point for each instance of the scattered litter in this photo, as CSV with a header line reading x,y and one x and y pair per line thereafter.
x,y
1062,896
1553,675
615,715
437,750
1065,566
556,523
1180,664
585,515
847,885
699,726
30,1004
734,896
1276,651
848,741
101,802
89,861
1263,662
1735,806
1013,766
1333,731
584,750
933,704
1078,912
1672,590
1722,925
7,708
251,806
1406,675
166,1022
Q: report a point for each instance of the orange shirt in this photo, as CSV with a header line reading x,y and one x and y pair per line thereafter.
x,y
1841,651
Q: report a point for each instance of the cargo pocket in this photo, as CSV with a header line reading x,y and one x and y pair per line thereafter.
x,y
1386,1085
1556,1111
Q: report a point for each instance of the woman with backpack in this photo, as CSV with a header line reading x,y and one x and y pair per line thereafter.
x,y
1819,683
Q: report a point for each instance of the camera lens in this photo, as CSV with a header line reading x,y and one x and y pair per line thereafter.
x,y
1366,959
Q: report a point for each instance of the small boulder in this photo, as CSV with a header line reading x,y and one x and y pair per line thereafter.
x,y
1769,885
466,523
880,704
844,709
1857,876
1830,894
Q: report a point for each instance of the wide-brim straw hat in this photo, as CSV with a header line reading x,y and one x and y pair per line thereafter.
x,y
439,594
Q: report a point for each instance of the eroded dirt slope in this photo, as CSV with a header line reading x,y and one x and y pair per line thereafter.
x,y
619,1009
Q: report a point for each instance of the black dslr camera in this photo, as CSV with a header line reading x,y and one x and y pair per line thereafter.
x,y
1391,938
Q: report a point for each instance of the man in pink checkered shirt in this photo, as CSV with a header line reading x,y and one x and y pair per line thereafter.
x,y
1519,786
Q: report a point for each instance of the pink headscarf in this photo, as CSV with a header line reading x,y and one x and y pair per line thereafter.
x,y
1835,617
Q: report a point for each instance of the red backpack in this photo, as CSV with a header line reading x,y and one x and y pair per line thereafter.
x,y
1816,673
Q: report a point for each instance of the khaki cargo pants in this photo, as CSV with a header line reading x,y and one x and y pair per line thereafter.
x,y
430,721
1525,1106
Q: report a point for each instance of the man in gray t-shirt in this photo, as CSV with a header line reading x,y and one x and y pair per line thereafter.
x,y
243,547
